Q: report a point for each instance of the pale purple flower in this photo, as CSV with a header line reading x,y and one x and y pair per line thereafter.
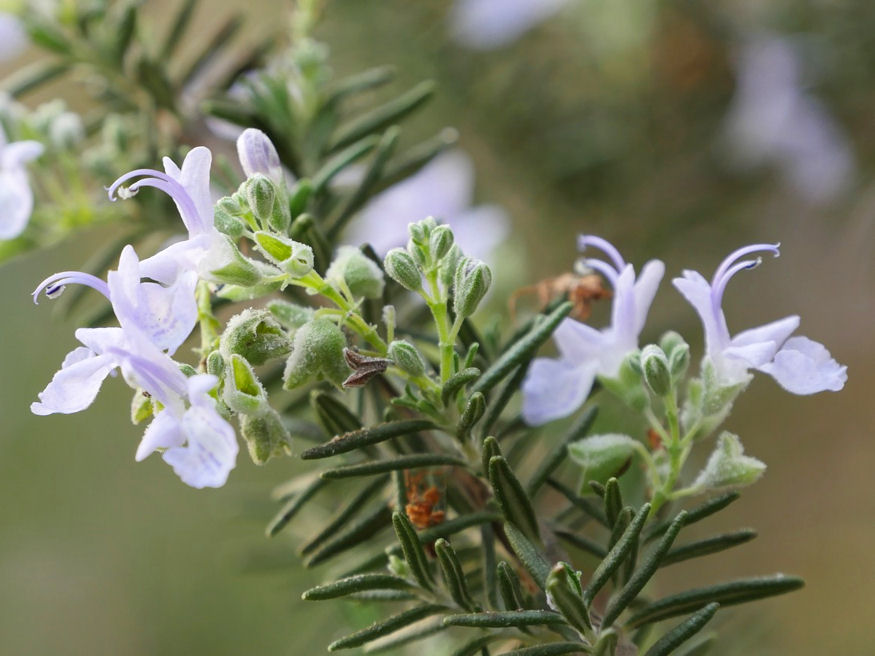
x,y
554,388
13,37
189,187
800,365
444,189
257,154
16,197
774,120
489,24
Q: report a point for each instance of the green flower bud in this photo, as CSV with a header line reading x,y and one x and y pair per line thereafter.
x,y
419,253
225,264
216,364
679,361
261,197
601,457
293,257
470,285
420,232
449,264
402,269
654,365
228,224
317,354
242,391
255,335
728,466
265,436
440,241
359,272
230,205
407,357
290,315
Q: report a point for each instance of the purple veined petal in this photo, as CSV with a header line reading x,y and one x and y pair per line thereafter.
x,y
555,388
257,154
75,386
211,450
163,432
54,284
577,341
776,331
623,314
804,366
18,153
177,258
697,291
101,340
188,210
199,387
645,290
144,366
16,203
480,229
194,176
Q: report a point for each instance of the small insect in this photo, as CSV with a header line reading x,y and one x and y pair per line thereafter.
x,y
364,366
582,290
422,502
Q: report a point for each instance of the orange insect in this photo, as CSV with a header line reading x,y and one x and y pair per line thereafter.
x,y
582,291
422,502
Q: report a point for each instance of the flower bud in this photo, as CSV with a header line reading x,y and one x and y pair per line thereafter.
x,y
257,154
470,285
601,457
255,335
290,315
728,466
361,274
265,436
317,354
440,242
227,223
407,357
224,263
420,232
419,253
679,361
216,364
261,197
654,366
243,392
449,264
293,257
402,269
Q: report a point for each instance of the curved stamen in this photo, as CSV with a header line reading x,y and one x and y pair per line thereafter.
x,y
604,245
734,256
54,284
194,223
719,286
604,268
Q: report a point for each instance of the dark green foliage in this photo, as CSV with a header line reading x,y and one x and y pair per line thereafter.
x,y
683,631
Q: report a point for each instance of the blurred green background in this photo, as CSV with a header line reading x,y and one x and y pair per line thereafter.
x,y
608,117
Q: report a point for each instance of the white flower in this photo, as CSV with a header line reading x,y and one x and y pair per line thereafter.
x,y
800,365
13,38
488,24
554,388
444,189
16,197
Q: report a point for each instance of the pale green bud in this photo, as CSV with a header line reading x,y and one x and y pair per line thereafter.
x,y
419,253
359,272
317,354
293,257
290,315
407,357
261,197
255,335
654,366
242,391
402,269
227,223
470,285
398,566
601,457
216,364
265,436
449,264
679,361
728,466
224,263
440,241
420,232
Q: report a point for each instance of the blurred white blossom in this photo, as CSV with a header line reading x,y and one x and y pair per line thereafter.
x,y
13,38
774,120
488,24
444,188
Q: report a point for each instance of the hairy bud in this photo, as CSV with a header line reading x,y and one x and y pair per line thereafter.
x,y
654,366
470,285
407,357
256,336
728,466
361,274
402,269
317,354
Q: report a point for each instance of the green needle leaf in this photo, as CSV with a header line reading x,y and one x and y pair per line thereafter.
x,y
522,349
683,631
529,556
616,555
369,79
414,554
694,515
505,619
708,546
510,588
456,382
386,627
551,462
642,575
566,600
366,437
551,649
382,466
353,584
613,501
362,530
453,575
512,498
344,516
726,594
292,507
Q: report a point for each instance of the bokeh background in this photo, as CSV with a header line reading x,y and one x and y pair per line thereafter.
x,y
677,130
